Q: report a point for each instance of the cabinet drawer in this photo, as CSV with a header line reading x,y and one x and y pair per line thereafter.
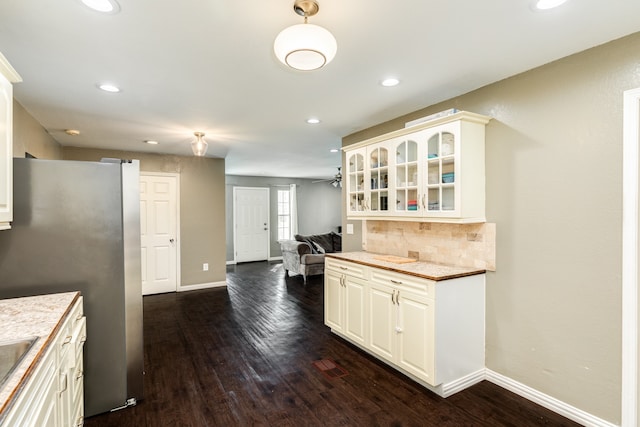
x,y
424,287
345,267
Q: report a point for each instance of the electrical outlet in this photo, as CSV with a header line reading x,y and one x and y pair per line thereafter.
x,y
205,266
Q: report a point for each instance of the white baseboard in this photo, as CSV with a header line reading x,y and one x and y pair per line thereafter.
x,y
547,401
202,286
273,258
460,384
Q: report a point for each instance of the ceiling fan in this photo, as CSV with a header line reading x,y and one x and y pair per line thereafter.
x,y
336,181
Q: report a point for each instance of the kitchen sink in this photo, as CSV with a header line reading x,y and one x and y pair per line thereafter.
x,y
11,353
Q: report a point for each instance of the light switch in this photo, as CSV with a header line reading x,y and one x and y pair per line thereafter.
x,y
349,228
205,266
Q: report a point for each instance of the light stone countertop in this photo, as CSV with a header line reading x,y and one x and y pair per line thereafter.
x,y
28,317
425,270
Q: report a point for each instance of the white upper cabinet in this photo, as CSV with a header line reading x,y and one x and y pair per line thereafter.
x,y
433,171
8,76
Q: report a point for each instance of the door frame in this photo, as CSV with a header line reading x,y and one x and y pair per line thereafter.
x,y
630,253
178,239
235,210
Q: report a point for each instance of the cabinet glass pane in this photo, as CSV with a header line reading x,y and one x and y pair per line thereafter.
x,y
448,144
448,171
433,173
412,151
384,178
433,199
378,158
433,146
401,176
356,163
407,200
401,153
379,179
448,198
379,201
356,202
412,175
406,152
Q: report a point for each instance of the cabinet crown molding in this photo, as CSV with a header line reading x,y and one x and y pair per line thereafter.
x,y
8,71
461,115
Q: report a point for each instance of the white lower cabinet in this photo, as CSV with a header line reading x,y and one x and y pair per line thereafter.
x,y
431,331
53,395
345,296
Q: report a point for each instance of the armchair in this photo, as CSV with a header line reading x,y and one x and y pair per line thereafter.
x,y
305,255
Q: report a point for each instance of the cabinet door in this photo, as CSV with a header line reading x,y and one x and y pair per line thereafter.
x,y
6,153
406,176
355,177
377,194
382,320
415,333
355,320
333,300
442,167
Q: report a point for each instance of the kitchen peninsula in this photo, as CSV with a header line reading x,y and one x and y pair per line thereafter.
x,y
45,385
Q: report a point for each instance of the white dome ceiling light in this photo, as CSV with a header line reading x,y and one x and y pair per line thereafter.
x,y
305,47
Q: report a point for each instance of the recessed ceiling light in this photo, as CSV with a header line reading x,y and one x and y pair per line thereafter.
x,y
334,150
313,121
389,82
151,142
108,87
104,6
547,4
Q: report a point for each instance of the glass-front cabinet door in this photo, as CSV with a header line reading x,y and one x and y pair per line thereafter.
x,y
406,176
441,172
356,202
377,199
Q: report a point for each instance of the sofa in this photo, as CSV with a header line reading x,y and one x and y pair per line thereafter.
x,y
305,254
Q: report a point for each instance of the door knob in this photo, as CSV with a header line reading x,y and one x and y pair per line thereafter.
x,y
171,240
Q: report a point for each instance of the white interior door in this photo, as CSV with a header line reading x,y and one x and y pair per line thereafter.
x,y
158,227
251,223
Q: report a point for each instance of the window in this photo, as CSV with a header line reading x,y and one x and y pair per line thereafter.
x,y
284,215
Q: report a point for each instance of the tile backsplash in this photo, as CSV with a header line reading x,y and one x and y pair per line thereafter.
x,y
465,245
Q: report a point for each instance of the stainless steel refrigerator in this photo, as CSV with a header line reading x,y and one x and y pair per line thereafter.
x,y
77,227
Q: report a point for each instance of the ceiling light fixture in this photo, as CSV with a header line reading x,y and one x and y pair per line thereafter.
x,y
547,4
108,87
313,121
151,142
199,145
72,132
305,47
389,82
104,6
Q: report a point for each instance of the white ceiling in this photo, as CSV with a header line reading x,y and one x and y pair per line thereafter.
x,y
208,65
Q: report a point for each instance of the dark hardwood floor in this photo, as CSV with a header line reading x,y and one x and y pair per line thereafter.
x,y
243,356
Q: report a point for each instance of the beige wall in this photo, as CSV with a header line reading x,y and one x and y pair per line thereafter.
x,y
554,189
202,214
30,137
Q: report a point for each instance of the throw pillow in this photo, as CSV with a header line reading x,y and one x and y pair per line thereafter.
x,y
319,249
